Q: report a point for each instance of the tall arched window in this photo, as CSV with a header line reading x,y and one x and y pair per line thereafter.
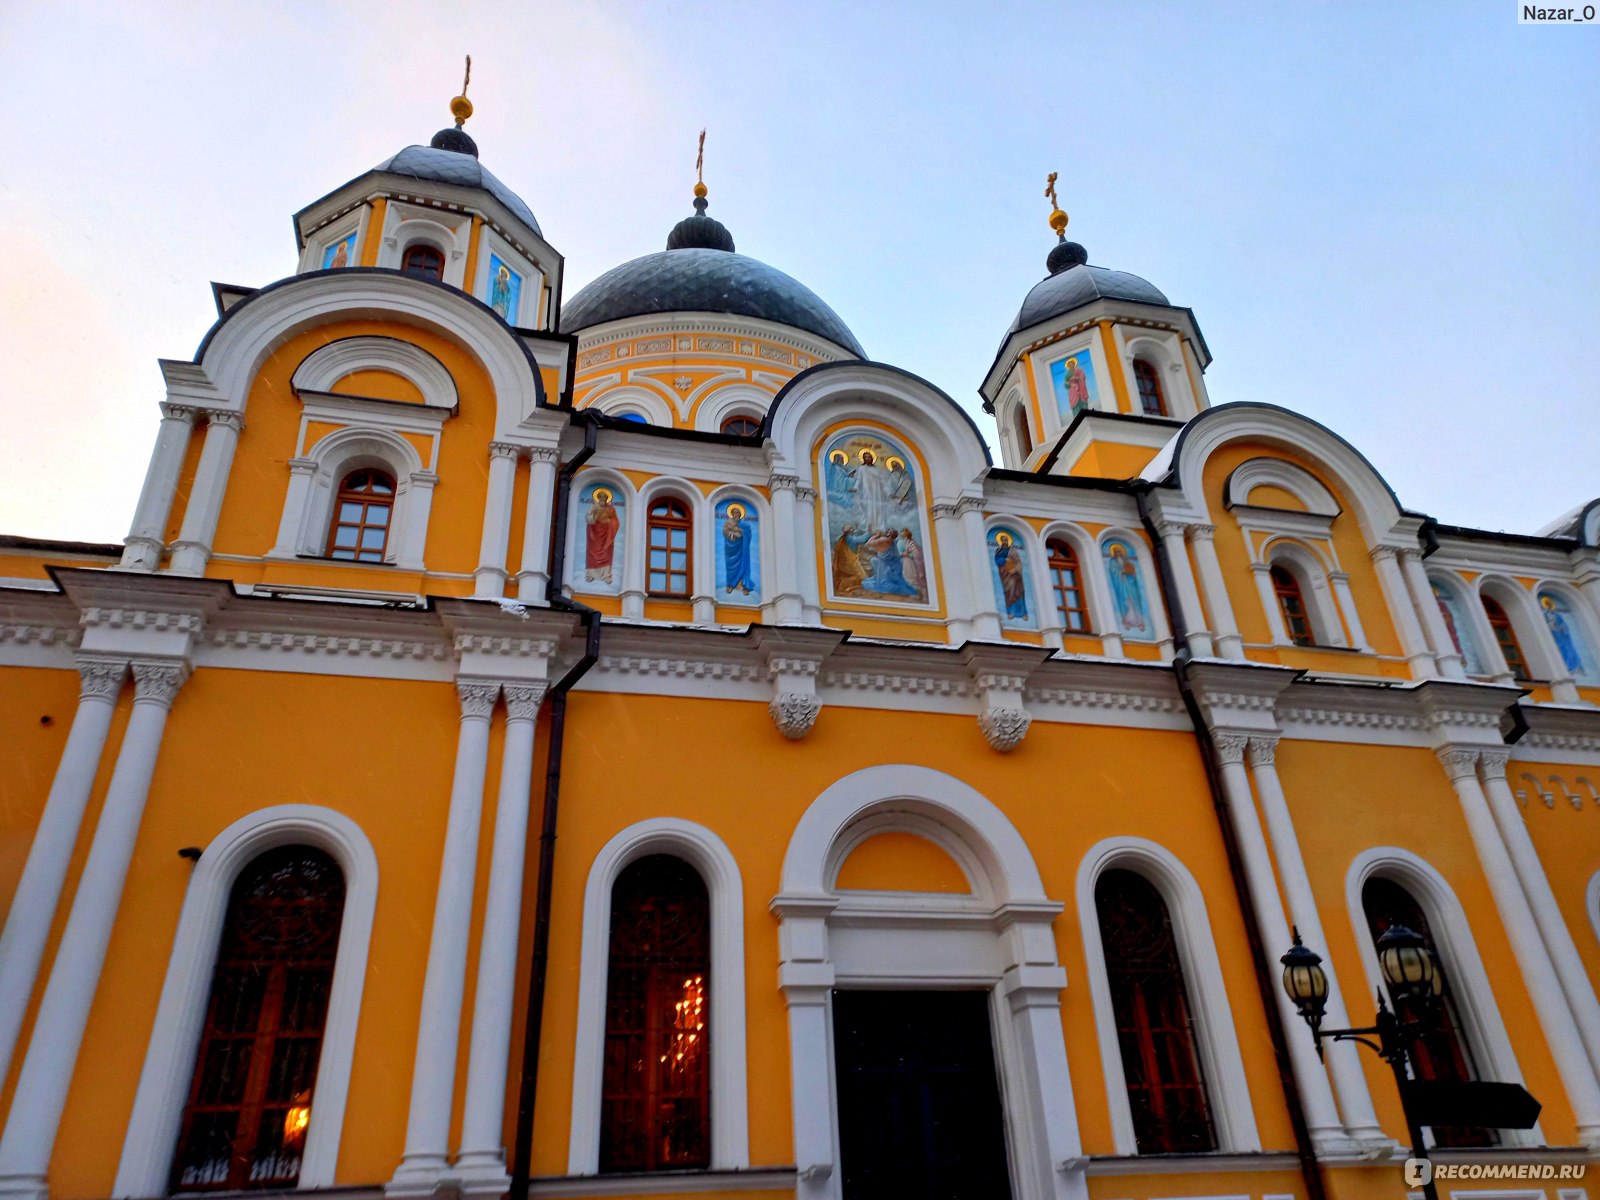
x,y
1442,1053
1151,398
1024,439
1066,580
655,1112
423,259
670,533
1155,1034
1292,604
251,1099
1506,637
741,425
361,512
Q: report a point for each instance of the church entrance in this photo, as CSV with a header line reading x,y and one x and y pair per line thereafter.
x,y
919,1101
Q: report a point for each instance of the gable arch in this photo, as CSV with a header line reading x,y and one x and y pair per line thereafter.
x,y
730,400
1276,472
1537,645
617,402
324,367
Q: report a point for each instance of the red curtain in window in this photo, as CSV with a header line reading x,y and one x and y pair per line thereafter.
x,y
251,1099
1154,1029
656,1094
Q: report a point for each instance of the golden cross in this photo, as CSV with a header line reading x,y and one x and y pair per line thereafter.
x,y
1050,190
468,77
700,160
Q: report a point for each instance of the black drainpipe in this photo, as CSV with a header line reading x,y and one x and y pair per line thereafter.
x,y
1265,983
522,1153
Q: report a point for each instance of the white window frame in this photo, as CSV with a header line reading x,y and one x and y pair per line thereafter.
x,y
1091,567
1217,1042
406,224
709,855
1538,647
1164,352
527,314
174,1044
1087,342
1316,589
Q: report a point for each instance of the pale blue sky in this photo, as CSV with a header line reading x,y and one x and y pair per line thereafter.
x,y
1385,216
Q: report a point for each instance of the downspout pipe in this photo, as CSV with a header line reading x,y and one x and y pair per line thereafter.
x,y
539,960
1265,983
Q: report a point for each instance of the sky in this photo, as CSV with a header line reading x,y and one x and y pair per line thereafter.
x,y
1384,216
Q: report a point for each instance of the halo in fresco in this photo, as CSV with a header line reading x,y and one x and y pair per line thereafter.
x,y
737,535
1576,656
1127,590
1008,571
873,521
601,520
505,289
1074,384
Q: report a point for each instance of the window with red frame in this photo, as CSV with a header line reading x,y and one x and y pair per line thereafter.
x,y
656,1094
423,259
1154,1029
741,425
361,513
1442,1052
1292,604
1505,635
1024,440
1067,582
1151,398
250,1102
669,535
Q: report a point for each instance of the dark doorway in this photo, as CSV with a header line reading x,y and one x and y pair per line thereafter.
x,y
919,1102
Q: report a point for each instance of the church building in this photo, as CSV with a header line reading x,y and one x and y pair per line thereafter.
x,y
633,743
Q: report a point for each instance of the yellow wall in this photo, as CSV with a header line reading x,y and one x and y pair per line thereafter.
x,y
901,862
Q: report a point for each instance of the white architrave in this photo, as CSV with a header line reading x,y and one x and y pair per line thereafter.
x,y
175,1038
730,400
709,855
637,400
407,225
1163,350
1538,647
1315,577
1276,472
1480,1015
326,366
635,573
1227,1089
1092,576
998,939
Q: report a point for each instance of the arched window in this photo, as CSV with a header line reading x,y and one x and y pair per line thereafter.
x,y
423,259
741,425
1292,604
670,532
1442,1053
361,512
251,1099
655,1112
1024,440
1067,581
1155,1034
1151,398
1506,637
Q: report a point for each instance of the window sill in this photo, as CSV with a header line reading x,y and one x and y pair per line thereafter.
x,y
1178,1164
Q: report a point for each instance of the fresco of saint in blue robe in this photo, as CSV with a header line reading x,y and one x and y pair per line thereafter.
x,y
1460,632
738,553
1127,590
1009,575
1563,628
873,520
505,289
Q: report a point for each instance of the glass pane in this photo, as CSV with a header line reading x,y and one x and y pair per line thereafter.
x,y
343,554
372,539
350,511
680,562
345,535
378,514
382,486
680,538
658,560
658,582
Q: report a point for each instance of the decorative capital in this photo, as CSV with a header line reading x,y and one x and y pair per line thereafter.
x,y
1459,763
1004,728
998,681
1171,528
504,450
1230,746
944,509
1202,533
1263,751
794,713
782,483
178,412
158,682
544,454
477,697
1379,553
806,495
302,466
1494,761
100,678
225,418
522,700
969,504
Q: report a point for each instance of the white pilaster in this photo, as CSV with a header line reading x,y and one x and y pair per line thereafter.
x,y
147,537
534,577
490,577
786,604
439,1029
1426,603
412,535
1412,644
1194,617
302,482
1542,900
1340,582
974,554
805,540
33,908
192,550
958,601
41,1094
1355,1101
481,1163
1225,628
1269,602
1533,962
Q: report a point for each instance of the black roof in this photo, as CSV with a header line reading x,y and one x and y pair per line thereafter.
x,y
458,167
1080,285
698,279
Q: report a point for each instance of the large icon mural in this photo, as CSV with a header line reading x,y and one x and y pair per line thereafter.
x,y
738,553
1455,624
1073,379
339,254
505,289
1569,641
1127,589
602,514
1008,571
873,520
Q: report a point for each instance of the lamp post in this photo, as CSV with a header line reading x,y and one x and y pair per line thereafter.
x,y
1412,974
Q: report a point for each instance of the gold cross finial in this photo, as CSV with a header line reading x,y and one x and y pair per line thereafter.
x,y
699,167
1058,219
461,107
467,78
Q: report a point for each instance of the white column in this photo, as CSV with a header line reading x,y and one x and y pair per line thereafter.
x,y
296,503
1225,628
1194,617
1322,1118
805,540
33,908
1355,1101
490,577
1538,973
534,578
414,498
192,550
1546,912
1426,603
1412,644
1269,602
786,604
482,1159
147,537
1586,575
1340,582
443,988
972,553
46,1076
958,602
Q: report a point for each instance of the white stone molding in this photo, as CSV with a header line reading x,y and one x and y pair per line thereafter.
x,y
1426,605
489,579
193,547
1173,538
999,676
1483,1029
1214,587
998,938
793,660
1313,572
529,298
1413,642
533,580
725,400
1587,633
702,578
961,593
34,904
1222,1067
169,1062
324,367
146,540
786,602
635,399
407,225
1538,647
1276,472
1092,577
1163,350
334,230
703,850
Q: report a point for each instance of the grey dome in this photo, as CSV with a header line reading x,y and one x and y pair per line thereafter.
x,y
696,279
1080,285
460,168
